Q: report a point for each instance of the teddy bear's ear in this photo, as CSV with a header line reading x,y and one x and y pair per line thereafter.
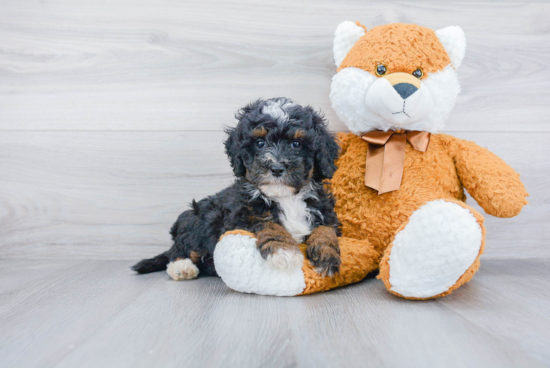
x,y
454,42
346,35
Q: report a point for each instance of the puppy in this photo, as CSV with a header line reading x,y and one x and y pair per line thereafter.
x,y
280,153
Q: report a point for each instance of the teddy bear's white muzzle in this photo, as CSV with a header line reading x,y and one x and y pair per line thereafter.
x,y
401,104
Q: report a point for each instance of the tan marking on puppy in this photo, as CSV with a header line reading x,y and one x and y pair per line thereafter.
x,y
195,257
300,134
278,247
182,269
265,216
323,250
310,175
259,132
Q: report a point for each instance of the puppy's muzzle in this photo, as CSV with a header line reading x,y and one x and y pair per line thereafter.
x,y
277,170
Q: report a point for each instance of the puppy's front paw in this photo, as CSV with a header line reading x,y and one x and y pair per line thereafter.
x,y
323,250
278,247
325,259
283,257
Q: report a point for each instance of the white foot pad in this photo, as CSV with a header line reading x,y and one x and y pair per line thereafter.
x,y
182,269
436,247
241,266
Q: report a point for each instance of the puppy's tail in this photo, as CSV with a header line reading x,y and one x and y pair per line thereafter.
x,y
154,264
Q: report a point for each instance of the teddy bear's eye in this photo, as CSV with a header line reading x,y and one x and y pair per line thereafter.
x,y
381,70
418,73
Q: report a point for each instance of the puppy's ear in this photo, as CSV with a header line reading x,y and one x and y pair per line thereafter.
x,y
233,151
233,144
326,148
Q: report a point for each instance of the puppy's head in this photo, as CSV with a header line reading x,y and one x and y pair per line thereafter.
x,y
279,146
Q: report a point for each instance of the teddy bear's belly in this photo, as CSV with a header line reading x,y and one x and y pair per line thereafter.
x,y
365,214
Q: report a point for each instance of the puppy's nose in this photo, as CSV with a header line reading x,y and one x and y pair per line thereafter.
x,y
277,170
405,89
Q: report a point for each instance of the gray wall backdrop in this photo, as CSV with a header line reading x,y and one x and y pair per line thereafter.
x,y
111,113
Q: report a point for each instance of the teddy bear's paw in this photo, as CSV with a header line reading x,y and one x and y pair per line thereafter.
x,y
241,266
435,252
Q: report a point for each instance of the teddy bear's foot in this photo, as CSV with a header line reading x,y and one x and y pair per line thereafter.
x,y
435,252
241,266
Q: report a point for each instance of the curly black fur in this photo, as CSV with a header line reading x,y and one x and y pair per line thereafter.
x,y
262,150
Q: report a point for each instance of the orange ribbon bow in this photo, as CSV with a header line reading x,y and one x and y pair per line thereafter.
x,y
386,156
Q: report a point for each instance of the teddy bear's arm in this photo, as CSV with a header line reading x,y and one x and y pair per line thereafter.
x,y
489,180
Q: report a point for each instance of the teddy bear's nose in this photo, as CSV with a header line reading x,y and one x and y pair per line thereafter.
x,y
405,89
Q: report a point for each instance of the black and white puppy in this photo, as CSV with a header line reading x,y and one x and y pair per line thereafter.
x,y
280,153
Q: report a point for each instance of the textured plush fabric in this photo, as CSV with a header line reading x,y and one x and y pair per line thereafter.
x,y
454,41
365,100
346,36
414,46
358,259
242,268
427,176
466,276
431,253
436,174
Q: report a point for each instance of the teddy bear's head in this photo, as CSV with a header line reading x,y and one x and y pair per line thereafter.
x,y
396,76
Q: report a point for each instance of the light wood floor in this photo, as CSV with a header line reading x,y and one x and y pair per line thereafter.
x,y
111,122
99,314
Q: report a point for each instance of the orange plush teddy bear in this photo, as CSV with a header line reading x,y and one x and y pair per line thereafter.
x,y
399,186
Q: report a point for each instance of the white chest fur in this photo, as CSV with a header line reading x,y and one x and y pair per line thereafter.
x,y
295,216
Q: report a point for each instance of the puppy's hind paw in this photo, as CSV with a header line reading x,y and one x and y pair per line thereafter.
x,y
286,258
182,269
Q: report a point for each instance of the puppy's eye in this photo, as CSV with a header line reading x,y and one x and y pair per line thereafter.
x,y
418,73
260,143
381,70
296,144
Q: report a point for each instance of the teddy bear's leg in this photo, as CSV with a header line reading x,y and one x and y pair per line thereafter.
x,y
359,258
435,252
241,266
